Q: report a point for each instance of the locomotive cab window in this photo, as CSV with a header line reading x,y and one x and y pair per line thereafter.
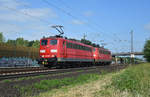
x,y
44,42
93,49
53,42
63,43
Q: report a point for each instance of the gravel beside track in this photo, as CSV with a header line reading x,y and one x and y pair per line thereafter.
x,y
12,73
7,88
40,72
5,70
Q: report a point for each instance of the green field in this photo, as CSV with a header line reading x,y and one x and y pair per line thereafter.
x,y
133,81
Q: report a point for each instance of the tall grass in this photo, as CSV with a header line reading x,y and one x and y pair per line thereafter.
x,y
135,79
45,85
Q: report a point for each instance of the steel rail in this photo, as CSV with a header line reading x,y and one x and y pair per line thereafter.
x,y
56,71
20,69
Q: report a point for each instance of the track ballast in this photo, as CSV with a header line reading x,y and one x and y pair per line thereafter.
x,y
27,72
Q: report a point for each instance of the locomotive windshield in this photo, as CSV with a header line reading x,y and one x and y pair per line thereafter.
x,y
53,42
44,42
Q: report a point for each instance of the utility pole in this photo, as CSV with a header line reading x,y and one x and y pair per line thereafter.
x,y
84,36
132,52
131,41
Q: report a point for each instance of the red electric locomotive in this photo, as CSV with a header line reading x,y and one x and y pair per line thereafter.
x,y
55,50
102,56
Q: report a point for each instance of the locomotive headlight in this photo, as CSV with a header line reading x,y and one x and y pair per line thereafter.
x,y
53,51
53,55
94,55
42,51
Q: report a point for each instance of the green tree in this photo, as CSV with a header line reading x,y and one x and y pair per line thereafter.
x,y
20,41
147,50
36,44
2,39
86,42
26,43
12,42
31,43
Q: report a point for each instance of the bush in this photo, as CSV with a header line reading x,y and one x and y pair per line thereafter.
x,y
147,50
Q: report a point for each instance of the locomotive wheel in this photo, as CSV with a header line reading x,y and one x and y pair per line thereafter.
x,y
54,64
41,65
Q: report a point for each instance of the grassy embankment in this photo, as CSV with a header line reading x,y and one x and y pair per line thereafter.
x,y
131,82
47,85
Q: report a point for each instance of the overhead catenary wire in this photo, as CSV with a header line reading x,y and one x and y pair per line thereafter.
x,y
27,14
64,11
96,25
28,6
69,14
90,24
36,18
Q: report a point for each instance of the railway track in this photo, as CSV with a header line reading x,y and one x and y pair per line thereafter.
x,y
19,69
27,72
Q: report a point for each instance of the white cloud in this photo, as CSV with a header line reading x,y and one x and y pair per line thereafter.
x,y
147,26
30,32
78,22
9,28
27,14
88,13
15,18
13,10
39,12
9,3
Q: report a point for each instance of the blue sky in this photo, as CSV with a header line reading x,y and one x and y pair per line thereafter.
x,y
104,21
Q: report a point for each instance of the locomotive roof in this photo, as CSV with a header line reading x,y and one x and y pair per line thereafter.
x,y
52,37
77,41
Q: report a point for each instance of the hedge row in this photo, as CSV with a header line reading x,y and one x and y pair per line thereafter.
x,y
7,50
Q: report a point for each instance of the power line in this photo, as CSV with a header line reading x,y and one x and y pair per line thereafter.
x,y
27,14
50,4
97,25
67,13
13,9
74,17
27,6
